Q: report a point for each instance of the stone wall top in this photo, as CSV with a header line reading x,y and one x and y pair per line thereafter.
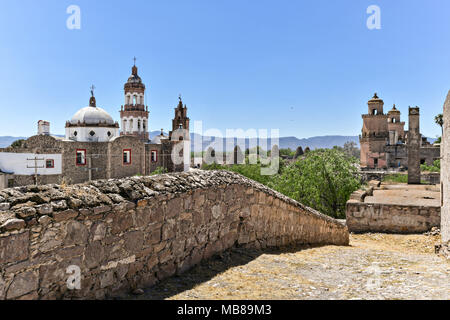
x,y
23,207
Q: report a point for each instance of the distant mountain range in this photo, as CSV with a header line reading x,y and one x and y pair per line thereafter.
x,y
6,141
200,143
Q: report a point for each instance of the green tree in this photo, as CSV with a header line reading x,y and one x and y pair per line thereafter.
x,y
299,152
323,180
287,153
439,119
351,150
17,143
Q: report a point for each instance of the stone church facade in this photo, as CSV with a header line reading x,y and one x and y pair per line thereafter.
x,y
384,141
94,148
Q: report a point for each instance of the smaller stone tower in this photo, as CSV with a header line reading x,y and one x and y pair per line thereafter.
x,y
180,121
414,139
395,126
134,115
374,135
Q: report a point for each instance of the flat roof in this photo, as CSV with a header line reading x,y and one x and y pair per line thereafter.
x,y
404,194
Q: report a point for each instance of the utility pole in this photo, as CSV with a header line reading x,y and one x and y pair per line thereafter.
x,y
89,168
36,167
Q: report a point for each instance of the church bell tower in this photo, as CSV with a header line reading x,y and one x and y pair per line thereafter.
x,y
134,114
180,123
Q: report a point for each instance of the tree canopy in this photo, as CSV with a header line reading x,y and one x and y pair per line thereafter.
x,y
323,180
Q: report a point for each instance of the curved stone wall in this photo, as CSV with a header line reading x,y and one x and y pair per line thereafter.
x,y
128,233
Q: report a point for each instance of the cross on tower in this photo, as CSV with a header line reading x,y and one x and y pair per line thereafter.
x,y
134,60
92,90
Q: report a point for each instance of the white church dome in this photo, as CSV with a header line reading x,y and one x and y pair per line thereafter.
x,y
92,116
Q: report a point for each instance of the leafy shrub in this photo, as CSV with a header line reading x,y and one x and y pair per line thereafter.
x,y
159,170
436,167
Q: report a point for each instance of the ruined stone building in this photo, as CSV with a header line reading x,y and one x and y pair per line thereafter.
x,y
384,140
94,147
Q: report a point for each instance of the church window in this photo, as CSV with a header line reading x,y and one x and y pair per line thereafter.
x,y
127,156
92,133
49,163
154,156
143,125
134,100
81,157
109,133
75,133
10,183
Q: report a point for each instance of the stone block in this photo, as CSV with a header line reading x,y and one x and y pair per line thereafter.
x,y
76,233
174,208
22,284
94,255
134,241
122,221
14,248
12,224
65,215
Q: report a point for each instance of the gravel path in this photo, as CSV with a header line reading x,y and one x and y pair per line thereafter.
x,y
374,266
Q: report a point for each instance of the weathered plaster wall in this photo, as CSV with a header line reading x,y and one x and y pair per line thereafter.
x,y
133,232
445,179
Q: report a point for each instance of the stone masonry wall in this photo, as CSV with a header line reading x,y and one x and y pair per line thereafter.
x,y
130,233
367,217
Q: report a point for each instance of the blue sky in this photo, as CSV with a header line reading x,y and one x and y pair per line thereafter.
x,y
304,67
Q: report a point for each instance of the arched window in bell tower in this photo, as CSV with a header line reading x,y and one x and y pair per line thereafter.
x,y
134,100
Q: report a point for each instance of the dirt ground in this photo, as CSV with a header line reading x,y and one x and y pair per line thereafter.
x,y
374,266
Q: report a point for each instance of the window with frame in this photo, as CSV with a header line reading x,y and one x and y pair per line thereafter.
x,y
49,164
127,156
81,157
154,156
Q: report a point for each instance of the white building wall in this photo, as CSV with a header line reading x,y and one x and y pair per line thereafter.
x,y
17,163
